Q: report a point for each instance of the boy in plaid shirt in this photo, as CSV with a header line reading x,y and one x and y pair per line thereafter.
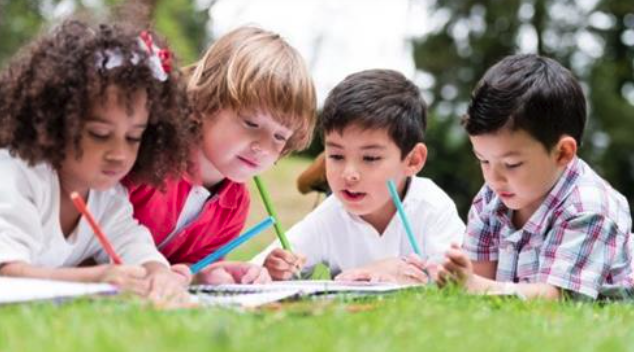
x,y
544,224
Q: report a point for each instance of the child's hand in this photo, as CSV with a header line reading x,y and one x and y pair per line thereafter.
x,y
168,286
282,264
130,278
409,270
363,274
233,273
184,272
457,268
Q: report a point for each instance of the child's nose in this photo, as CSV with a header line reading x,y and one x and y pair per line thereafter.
x,y
118,151
350,174
496,175
258,147
263,145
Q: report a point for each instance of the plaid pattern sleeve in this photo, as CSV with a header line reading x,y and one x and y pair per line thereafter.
x,y
577,254
482,234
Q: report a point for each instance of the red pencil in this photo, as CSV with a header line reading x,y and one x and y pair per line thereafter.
x,y
83,209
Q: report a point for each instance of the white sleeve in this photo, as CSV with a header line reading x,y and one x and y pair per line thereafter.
x,y
131,240
305,238
442,227
20,219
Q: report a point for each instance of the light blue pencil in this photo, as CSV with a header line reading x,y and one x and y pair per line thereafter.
x,y
224,250
401,213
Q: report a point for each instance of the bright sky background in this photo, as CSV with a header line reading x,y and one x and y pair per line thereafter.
x,y
336,37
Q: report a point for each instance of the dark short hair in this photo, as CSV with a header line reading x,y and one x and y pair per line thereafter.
x,y
531,93
377,99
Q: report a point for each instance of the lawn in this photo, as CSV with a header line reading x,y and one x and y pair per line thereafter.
x,y
422,320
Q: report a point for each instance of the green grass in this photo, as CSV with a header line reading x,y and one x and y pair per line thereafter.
x,y
422,321
425,320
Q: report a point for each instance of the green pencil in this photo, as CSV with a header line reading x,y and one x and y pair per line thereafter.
x,y
269,209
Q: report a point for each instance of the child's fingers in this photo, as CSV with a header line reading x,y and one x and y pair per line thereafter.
x,y
380,277
278,264
183,272
169,295
128,278
354,275
263,277
252,274
140,287
442,278
281,275
416,274
217,276
284,255
416,261
458,256
248,276
134,271
159,290
456,272
300,262
433,270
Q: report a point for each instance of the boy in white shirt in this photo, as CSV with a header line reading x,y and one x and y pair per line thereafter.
x,y
373,124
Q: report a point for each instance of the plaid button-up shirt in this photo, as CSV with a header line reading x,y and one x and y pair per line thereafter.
x,y
578,239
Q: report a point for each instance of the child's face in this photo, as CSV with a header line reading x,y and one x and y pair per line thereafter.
x,y
240,145
359,162
518,168
110,142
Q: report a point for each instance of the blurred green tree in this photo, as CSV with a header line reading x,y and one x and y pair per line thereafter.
x,y
595,39
179,21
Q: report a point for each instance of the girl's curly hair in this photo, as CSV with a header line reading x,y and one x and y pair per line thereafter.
x,y
47,90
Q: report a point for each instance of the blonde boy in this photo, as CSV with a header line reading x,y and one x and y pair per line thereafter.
x,y
252,101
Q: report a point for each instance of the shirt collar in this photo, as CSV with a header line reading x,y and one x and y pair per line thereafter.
x,y
227,193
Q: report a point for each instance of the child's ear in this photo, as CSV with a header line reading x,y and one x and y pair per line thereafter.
x,y
565,150
416,159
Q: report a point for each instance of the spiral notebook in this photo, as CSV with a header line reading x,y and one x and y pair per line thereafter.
x,y
259,294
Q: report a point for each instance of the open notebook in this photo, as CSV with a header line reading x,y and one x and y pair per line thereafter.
x,y
259,294
14,290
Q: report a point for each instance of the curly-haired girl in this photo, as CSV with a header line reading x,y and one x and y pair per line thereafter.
x,y
80,108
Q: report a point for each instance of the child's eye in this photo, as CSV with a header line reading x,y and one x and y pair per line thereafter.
x,y
513,166
335,157
100,136
371,159
134,140
483,162
250,124
280,138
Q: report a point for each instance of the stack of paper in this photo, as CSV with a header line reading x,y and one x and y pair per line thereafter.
x,y
13,290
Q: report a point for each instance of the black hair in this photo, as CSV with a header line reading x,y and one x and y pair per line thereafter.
x,y
531,93
377,99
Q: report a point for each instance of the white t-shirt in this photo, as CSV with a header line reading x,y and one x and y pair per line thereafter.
x,y
340,240
30,229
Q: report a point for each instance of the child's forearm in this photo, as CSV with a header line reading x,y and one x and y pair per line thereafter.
x,y
527,291
83,274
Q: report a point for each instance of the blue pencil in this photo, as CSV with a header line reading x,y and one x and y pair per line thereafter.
x,y
401,213
224,250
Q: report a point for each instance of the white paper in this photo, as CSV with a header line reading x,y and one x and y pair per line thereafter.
x,y
13,290
258,294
